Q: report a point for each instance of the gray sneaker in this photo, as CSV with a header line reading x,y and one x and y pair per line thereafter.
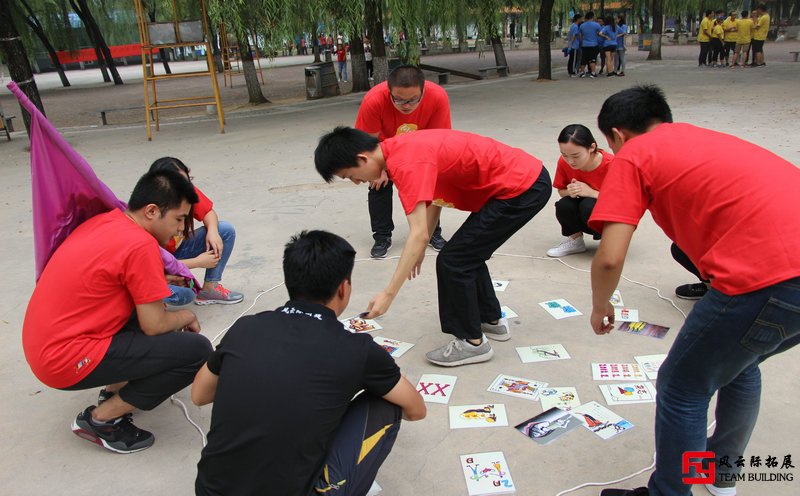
x,y
498,332
459,352
218,295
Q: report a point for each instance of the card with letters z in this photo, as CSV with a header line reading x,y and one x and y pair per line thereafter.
x,y
487,473
436,388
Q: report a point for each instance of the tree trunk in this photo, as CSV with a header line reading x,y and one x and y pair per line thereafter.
x,y
358,63
658,25
19,68
545,34
250,76
499,52
374,23
33,21
795,13
82,9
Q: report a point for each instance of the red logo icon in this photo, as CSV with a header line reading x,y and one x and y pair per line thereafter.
x,y
694,460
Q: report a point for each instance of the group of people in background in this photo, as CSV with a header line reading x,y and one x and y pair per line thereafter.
x,y
596,46
744,36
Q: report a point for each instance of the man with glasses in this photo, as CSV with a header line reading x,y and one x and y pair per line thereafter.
x,y
405,102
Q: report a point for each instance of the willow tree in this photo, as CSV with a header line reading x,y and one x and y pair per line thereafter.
x,y
104,59
25,11
658,24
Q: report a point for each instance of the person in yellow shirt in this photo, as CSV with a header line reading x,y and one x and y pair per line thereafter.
x,y
744,28
704,38
760,35
729,26
717,35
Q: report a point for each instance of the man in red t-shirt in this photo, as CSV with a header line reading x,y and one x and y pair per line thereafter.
x,y
735,217
96,317
341,60
405,102
502,187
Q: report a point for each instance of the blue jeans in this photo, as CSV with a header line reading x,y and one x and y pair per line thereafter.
x,y
718,350
194,246
342,70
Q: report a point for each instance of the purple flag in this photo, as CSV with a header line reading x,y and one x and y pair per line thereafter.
x,y
66,191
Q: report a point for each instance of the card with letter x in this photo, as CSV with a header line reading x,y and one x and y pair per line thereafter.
x,y
436,388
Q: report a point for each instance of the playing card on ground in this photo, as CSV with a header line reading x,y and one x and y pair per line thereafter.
x,y
548,425
487,473
559,309
650,364
436,388
481,415
392,346
358,325
565,398
600,419
632,392
542,353
617,371
517,387
626,314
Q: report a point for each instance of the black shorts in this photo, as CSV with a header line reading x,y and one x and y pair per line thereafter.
x,y
758,46
589,55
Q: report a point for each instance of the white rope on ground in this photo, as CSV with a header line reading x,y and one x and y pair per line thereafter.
x,y
175,400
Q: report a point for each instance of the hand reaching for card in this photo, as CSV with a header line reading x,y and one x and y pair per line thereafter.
x,y
379,305
599,326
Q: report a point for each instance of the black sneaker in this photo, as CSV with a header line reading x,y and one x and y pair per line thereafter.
x,y
437,242
691,291
119,436
639,491
381,247
104,396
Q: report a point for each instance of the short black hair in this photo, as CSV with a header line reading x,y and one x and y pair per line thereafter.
x,y
745,13
634,109
406,76
169,163
167,189
577,134
337,150
590,15
577,17
709,12
315,263
762,7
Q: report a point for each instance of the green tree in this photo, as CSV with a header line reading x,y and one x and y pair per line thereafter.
x,y
25,11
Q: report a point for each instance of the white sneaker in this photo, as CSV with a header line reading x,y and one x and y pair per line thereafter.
x,y
721,491
567,247
498,332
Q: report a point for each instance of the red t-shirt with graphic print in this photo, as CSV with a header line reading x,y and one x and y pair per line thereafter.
x,y
456,169
377,114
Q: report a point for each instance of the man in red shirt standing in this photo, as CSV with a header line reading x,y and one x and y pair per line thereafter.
x,y
502,187
405,102
96,317
738,225
341,60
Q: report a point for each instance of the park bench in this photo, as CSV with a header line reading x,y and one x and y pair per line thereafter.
x,y
794,55
444,77
501,70
103,112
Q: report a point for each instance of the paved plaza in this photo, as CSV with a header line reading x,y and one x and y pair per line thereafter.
x,y
261,177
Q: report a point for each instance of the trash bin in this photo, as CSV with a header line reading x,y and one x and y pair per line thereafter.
x,y
313,82
330,83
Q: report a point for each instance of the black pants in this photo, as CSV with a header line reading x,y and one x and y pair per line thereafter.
x,y
369,68
571,62
573,215
380,212
728,47
716,50
705,53
466,294
361,444
155,367
682,259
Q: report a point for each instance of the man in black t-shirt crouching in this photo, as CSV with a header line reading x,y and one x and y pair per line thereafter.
x,y
284,420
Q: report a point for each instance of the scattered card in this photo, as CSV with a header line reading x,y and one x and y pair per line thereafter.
x,y
358,325
616,299
548,425
644,329
500,285
436,388
516,387
560,309
626,314
468,416
650,364
542,353
507,313
487,473
565,398
601,420
392,346
616,371
632,392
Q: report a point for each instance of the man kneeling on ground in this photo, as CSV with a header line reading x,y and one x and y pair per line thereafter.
x,y
284,420
97,318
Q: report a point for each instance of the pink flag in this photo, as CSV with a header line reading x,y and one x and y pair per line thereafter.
x,y
66,191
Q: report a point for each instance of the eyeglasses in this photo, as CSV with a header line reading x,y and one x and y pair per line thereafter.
x,y
412,101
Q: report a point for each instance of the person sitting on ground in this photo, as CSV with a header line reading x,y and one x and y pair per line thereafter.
x,y
405,102
96,316
502,187
580,172
282,383
208,247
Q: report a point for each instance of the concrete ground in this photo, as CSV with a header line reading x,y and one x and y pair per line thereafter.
x,y
260,175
